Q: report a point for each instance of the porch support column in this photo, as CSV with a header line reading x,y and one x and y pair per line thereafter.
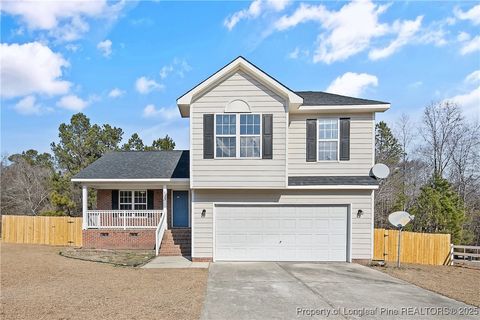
x,y
84,206
165,197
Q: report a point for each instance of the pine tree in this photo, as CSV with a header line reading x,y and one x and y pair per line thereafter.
x,y
387,151
438,209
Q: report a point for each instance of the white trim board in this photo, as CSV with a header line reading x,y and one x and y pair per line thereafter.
x,y
342,108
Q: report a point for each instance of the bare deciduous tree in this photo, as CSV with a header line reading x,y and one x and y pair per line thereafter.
x,y
25,188
441,122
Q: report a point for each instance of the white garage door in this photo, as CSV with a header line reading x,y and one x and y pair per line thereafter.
x,y
280,233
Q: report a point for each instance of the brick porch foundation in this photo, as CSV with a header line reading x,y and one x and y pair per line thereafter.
x,y
119,239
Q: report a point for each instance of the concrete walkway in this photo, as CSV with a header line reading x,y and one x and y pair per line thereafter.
x,y
174,262
259,290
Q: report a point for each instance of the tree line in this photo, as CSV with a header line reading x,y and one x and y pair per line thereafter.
x,y
434,163
36,183
435,172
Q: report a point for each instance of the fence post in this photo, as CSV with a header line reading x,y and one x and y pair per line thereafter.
x,y
451,254
84,206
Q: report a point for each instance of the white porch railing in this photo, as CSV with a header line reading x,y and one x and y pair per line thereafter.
x,y
162,226
123,219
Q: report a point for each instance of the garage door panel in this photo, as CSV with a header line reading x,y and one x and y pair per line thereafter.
x,y
280,233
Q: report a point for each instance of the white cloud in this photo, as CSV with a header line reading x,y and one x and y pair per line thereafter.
x,y
294,54
115,93
463,36
304,13
473,77
105,47
73,103
298,53
145,85
352,84
256,8
28,106
406,31
31,68
278,5
253,11
469,102
348,30
150,111
178,66
470,46
165,71
473,15
64,20
416,84
72,47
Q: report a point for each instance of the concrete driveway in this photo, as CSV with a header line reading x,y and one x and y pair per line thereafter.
x,y
260,290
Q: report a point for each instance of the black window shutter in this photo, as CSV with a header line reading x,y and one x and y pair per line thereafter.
x,y
311,140
208,136
150,199
267,136
344,139
114,199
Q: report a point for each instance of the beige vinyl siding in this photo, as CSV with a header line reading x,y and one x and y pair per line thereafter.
x,y
238,173
359,199
361,147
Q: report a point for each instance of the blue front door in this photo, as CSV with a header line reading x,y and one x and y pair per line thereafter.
x,y
180,209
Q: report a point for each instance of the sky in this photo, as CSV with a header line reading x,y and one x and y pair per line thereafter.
x,y
126,62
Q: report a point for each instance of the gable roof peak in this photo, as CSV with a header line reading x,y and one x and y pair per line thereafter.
x,y
240,62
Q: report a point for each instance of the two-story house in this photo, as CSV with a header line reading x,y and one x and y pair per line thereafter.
x,y
272,175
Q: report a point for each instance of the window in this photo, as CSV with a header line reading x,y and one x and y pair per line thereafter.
x,y
249,135
125,200
136,200
230,129
327,139
140,200
226,139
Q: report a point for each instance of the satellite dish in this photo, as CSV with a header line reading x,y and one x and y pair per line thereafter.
x,y
380,171
400,218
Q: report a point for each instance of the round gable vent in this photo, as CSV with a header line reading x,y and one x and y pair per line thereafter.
x,y
237,106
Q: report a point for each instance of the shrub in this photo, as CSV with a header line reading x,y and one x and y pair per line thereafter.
x,y
52,213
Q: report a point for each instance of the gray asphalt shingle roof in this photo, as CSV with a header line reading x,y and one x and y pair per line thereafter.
x,y
332,180
138,165
319,98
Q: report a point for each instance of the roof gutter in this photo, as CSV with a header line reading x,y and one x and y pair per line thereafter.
x,y
335,187
132,180
345,108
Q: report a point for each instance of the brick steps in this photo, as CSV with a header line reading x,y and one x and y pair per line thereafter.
x,y
176,242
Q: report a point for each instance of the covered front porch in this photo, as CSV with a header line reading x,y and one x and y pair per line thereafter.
x,y
142,201
126,207
138,215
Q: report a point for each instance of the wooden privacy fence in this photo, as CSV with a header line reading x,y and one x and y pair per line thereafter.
x,y
416,247
58,231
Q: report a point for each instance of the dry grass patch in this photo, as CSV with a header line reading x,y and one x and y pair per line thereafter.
x,y
459,283
37,283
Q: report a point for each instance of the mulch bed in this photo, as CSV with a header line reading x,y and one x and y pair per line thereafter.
x,y
127,258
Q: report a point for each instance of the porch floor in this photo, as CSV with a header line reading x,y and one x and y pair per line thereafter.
x,y
174,262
